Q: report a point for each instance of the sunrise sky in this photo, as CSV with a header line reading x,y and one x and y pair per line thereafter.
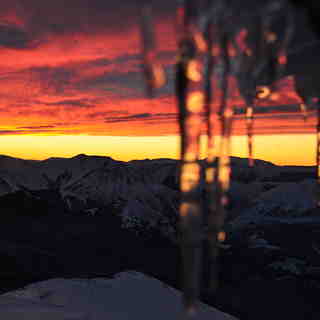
x,y
71,82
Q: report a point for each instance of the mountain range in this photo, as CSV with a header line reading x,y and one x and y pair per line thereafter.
x,y
93,217
147,190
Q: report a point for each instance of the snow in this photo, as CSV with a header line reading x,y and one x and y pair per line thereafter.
x,y
147,204
129,295
143,188
286,203
297,197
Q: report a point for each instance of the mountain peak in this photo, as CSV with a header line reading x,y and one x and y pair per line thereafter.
x,y
80,156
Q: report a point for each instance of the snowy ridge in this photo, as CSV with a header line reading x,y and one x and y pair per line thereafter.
x,y
151,206
129,295
286,202
287,197
146,190
31,174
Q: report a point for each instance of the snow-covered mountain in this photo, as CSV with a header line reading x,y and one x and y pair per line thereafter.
x,y
88,175
129,295
95,177
82,236
154,206
285,202
146,191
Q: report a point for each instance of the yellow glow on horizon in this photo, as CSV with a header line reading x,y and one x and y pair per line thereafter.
x,y
118,147
286,149
279,149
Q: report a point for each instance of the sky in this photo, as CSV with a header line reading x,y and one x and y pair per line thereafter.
x,y
71,82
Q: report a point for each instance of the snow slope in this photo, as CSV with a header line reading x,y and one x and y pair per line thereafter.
x,y
129,295
285,202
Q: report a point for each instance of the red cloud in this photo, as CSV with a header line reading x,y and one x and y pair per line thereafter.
x,y
79,64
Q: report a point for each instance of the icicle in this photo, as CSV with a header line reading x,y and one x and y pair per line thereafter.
x,y
224,168
190,108
216,220
244,65
153,71
284,45
249,121
303,110
251,67
226,115
208,97
210,169
318,150
273,51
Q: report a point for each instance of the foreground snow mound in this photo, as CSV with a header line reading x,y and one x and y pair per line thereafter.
x,y
129,295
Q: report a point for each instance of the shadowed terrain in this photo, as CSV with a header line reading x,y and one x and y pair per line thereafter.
x,y
90,217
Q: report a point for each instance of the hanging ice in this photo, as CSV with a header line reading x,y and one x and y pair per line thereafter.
x,y
250,51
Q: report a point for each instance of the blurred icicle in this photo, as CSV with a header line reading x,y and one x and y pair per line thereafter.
x,y
284,44
262,60
190,106
210,169
153,71
208,36
308,95
226,115
249,121
253,60
248,50
303,109
318,148
244,65
273,49
212,15
248,91
216,220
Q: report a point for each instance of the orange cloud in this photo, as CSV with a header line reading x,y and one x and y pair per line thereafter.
x,y
77,69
